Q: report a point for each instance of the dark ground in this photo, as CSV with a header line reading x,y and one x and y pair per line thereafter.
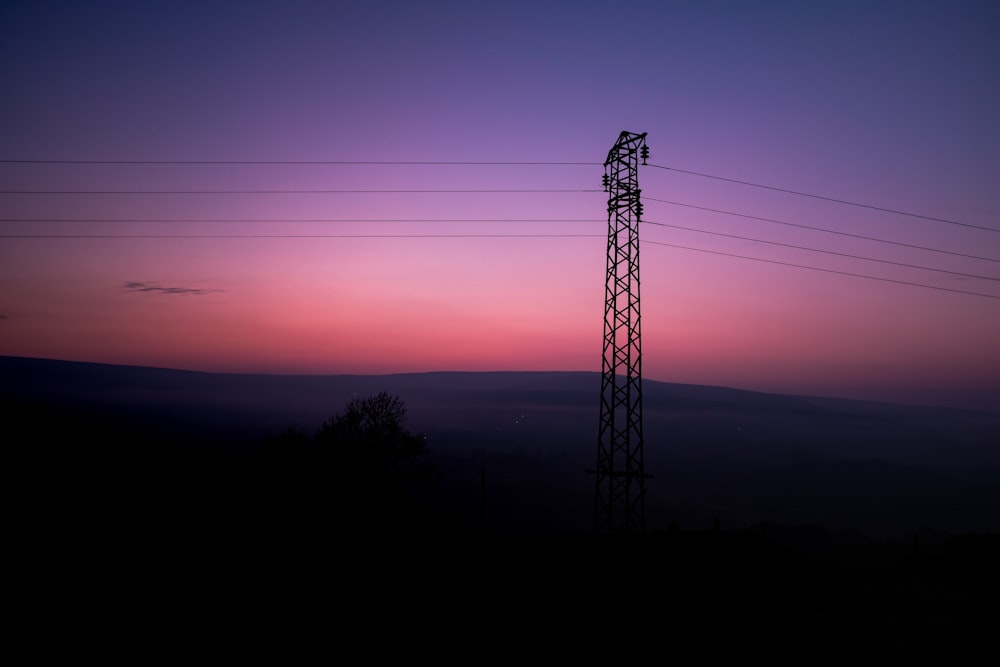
x,y
150,522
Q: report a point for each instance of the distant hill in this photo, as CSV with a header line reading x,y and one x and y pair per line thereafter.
x,y
512,447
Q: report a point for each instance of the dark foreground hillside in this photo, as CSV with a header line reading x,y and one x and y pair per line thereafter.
x,y
146,490
511,449
249,567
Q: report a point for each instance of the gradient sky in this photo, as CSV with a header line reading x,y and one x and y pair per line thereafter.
x,y
890,104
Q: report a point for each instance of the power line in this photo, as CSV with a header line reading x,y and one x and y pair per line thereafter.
x,y
826,252
822,229
839,201
816,268
293,236
406,220
438,162
301,162
267,192
293,220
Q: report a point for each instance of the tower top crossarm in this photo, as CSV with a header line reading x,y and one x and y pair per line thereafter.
x,y
627,143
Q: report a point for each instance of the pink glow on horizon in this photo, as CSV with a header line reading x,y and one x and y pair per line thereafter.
x,y
896,111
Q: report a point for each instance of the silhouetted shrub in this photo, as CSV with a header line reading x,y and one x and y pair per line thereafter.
x,y
362,471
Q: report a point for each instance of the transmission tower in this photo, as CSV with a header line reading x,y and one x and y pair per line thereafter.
x,y
619,491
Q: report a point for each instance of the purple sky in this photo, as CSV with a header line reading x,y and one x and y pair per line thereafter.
x,y
889,104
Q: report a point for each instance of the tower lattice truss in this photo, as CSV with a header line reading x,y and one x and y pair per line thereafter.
x,y
620,475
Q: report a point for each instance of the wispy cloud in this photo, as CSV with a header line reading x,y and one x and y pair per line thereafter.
x,y
136,286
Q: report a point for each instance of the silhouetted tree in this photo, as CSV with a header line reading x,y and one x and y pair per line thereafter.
x,y
376,467
363,472
370,445
363,469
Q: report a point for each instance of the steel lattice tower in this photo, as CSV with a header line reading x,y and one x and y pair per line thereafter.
x,y
620,492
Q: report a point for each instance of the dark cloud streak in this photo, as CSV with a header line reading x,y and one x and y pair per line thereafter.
x,y
137,286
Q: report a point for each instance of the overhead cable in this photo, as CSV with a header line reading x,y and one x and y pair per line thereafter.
x,y
294,220
832,199
293,236
816,268
301,162
822,229
269,192
826,252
